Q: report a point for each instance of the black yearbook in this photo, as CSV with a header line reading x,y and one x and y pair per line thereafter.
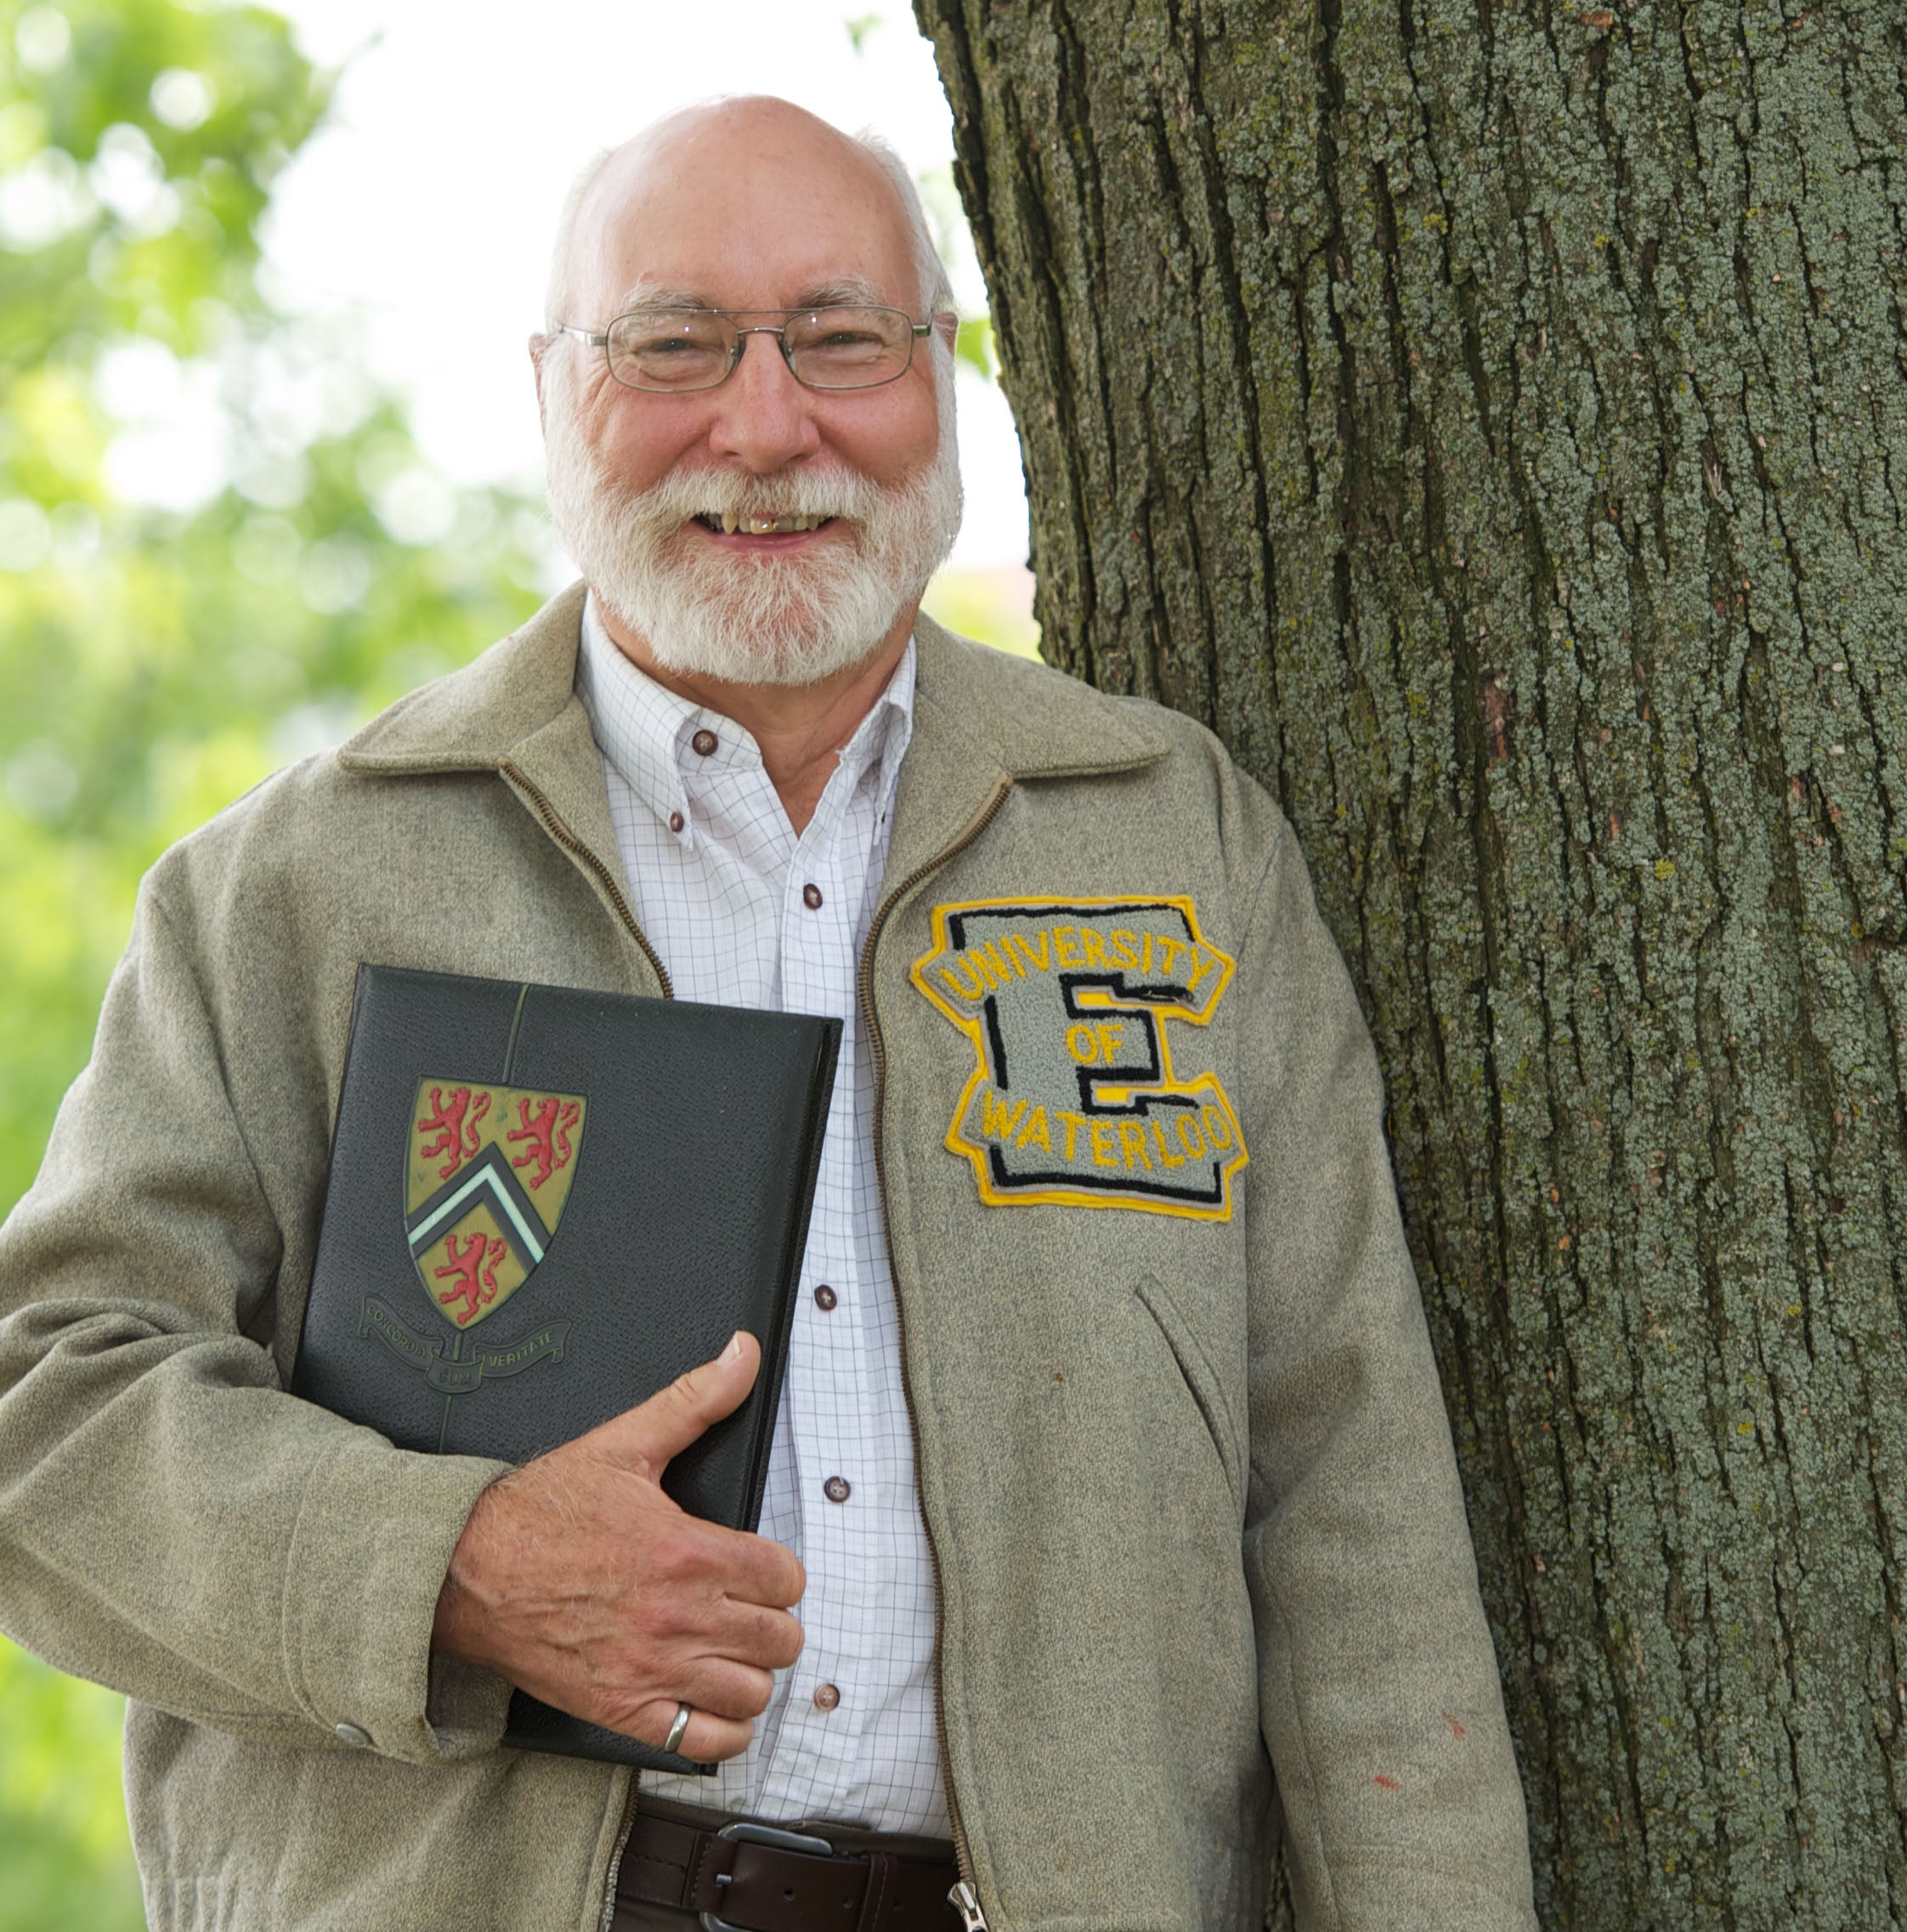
x,y
544,1206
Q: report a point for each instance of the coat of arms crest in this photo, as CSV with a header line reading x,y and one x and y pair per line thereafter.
x,y
490,1170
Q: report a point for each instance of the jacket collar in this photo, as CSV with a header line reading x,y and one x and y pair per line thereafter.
x,y
520,695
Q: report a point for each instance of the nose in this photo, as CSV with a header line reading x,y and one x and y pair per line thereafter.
x,y
764,418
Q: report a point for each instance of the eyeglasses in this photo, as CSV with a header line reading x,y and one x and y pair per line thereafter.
x,y
679,349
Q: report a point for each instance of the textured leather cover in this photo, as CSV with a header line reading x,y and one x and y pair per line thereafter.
x,y
544,1206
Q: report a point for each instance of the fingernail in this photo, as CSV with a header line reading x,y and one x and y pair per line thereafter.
x,y
734,1347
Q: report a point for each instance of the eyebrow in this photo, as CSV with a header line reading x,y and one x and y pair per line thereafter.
x,y
645,298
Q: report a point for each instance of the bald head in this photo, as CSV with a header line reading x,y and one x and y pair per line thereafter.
x,y
742,170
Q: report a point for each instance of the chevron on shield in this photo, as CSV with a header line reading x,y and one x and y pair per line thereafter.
x,y
491,1168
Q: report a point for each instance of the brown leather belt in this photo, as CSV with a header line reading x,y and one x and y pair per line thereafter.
x,y
756,1878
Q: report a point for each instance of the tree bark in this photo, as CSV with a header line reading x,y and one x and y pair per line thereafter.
x,y
1485,415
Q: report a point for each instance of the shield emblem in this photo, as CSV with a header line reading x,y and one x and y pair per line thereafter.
x,y
490,1168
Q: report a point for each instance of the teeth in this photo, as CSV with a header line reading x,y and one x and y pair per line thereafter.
x,y
729,522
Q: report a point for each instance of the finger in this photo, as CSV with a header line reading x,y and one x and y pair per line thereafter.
x,y
756,1569
771,1640
645,1439
706,1739
735,1693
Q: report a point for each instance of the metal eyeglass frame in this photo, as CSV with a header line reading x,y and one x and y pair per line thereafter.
x,y
916,330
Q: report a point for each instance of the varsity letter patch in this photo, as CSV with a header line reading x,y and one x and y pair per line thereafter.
x,y
1074,1099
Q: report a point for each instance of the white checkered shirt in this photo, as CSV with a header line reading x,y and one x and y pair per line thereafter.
x,y
725,901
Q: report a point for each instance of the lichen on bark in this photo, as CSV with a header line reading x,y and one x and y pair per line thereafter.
x,y
1485,415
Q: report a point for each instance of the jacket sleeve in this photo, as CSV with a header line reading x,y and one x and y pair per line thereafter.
x,y
172,1523
1380,1697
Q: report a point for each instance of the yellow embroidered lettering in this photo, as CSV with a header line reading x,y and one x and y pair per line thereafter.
x,y
1089,1003
987,977
1018,942
986,953
954,987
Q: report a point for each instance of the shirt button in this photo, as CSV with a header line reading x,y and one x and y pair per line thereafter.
x,y
811,897
837,1488
704,742
675,821
824,1298
358,1738
826,1697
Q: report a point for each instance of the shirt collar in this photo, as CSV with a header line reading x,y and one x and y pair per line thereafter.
x,y
646,731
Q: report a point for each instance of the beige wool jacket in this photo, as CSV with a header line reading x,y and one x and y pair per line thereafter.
x,y
1182,1453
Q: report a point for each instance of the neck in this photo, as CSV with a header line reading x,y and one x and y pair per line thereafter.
x,y
800,727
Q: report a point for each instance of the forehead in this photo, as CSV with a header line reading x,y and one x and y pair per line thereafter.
x,y
746,214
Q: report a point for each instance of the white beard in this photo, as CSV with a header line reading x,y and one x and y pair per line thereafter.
x,y
752,618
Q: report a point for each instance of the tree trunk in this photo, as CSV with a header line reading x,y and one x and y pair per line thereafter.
x,y
1485,415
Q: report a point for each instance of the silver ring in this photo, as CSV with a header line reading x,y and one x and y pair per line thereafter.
x,y
683,1713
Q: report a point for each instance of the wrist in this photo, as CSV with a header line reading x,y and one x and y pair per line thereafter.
x,y
458,1624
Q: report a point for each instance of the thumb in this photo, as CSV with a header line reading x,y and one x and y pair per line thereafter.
x,y
645,1439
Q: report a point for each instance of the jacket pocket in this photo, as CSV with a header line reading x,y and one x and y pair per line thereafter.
x,y
1201,1382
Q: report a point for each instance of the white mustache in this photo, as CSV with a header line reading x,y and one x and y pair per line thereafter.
x,y
832,492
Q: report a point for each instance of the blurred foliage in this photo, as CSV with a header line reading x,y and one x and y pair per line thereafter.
x,y
974,345
64,1859
995,606
220,547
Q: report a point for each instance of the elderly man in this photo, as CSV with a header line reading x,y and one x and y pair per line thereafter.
x,y
1113,1524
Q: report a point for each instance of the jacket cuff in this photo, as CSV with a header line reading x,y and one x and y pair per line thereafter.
x,y
1374,1891
369,1552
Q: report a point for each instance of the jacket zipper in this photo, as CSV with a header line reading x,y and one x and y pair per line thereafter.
x,y
964,1897
570,843
623,1830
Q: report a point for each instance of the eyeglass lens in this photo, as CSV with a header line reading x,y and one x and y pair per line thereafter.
x,y
695,349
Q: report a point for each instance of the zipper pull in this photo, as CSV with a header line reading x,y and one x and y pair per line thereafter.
x,y
966,1901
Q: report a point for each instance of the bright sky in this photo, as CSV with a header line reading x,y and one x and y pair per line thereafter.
x,y
428,203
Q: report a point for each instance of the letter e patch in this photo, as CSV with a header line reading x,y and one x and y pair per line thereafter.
x,y
1074,1099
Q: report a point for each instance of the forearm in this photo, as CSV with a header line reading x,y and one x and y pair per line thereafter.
x,y
174,1525
171,1522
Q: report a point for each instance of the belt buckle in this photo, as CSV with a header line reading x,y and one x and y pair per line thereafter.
x,y
742,1832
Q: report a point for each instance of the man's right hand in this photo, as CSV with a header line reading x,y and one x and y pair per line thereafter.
x,y
579,1580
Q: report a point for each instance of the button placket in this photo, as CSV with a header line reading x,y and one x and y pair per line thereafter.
x,y
722,897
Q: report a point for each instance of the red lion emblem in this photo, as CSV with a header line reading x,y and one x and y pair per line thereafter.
x,y
475,1269
455,1125
548,1135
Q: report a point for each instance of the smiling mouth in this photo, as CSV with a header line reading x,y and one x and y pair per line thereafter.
x,y
727,524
